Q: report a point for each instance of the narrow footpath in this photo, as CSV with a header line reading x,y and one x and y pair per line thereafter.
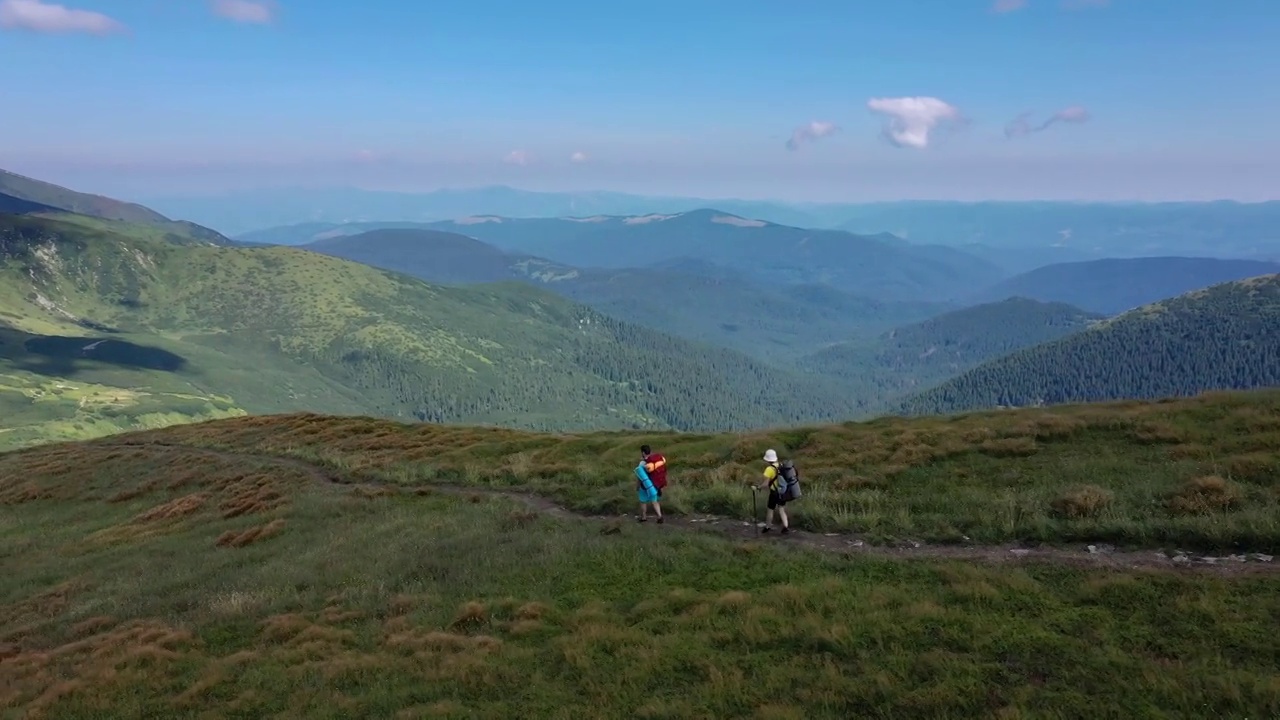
x,y
1081,555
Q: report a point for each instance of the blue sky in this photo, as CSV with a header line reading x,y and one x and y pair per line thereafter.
x,y
1159,99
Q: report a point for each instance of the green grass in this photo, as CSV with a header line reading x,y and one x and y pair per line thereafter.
x,y
1193,474
154,582
37,409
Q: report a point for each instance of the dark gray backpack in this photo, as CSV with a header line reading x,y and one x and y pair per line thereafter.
x,y
791,476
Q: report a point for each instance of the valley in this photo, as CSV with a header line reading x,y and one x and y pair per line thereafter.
x,y
694,321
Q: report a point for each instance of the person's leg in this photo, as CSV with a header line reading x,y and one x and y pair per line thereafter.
x,y
782,515
657,507
768,511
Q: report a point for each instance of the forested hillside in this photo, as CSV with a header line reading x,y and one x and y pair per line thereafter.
x,y
696,300
1223,337
266,329
1114,285
916,356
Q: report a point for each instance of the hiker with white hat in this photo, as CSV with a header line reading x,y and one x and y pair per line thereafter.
x,y
776,483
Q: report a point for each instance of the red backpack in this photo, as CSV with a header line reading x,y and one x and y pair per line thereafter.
x,y
656,466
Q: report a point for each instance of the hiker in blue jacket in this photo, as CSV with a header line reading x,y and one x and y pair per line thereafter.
x,y
647,493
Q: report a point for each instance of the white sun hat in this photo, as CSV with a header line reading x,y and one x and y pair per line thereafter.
x,y
770,455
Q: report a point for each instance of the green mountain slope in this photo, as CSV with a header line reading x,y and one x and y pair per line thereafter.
x,y
881,267
694,300
916,356
1114,285
277,328
22,195
1223,337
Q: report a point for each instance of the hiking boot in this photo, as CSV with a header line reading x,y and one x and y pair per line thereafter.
x,y
642,519
766,529
659,520
785,530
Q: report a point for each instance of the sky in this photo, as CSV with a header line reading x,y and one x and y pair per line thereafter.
x,y
823,100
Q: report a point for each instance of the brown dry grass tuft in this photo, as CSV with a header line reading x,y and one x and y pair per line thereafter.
x,y
519,519
1207,494
471,615
92,626
234,539
1254,467
181,507
532,611
279,628
402,603
1083,502
128,655
1158,433
1010,447
373,492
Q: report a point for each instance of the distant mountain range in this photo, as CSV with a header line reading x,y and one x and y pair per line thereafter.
x,y
1114,285
1039,232
113,316
880,267
690,298
1205,229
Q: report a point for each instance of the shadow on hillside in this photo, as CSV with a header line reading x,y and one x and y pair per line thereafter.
x,y
61,356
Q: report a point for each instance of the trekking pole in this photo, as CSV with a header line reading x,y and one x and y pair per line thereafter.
x,y
755,508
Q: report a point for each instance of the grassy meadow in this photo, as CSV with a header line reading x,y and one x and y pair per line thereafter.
x,y
1193,474
172,582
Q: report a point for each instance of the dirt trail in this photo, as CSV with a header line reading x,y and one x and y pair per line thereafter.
x,y
1082,555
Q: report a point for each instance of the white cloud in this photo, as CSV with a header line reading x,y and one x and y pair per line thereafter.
x,y
42,17
244,11
911,120
1021,125
517,157
578,157
811,132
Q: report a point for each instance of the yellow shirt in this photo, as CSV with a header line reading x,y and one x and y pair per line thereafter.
x,y
771,474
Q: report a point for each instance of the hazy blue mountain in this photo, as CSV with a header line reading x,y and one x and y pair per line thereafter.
x,y
238,213
1113,285
1016,260
693,299
882,266
1210,229
1080,230
309,232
